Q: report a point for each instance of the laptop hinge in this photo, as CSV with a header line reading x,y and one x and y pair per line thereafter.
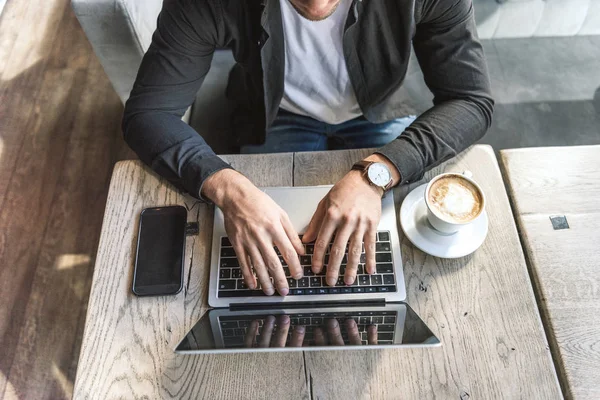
x,y
306,304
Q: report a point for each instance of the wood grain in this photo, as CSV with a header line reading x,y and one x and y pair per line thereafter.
x,y
59,139
481,306
128,342
563,263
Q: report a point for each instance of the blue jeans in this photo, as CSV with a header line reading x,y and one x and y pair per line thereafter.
x,y
291,132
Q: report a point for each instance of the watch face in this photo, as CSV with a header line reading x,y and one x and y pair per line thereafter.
x,y
379,174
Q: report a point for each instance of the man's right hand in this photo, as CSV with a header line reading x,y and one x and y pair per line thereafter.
x,y
254,224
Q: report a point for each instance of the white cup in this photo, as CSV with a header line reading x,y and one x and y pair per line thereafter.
x,y
438,221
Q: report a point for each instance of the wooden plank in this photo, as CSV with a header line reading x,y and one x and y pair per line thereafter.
x,y
563,263
549,178
128,343
48,345
481,307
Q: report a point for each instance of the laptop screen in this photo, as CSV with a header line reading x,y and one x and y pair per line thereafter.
x,y
316,328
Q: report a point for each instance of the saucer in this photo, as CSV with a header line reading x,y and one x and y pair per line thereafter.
x,y
416,227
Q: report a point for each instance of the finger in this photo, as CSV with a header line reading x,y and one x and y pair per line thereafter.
x,y
283,327
333,332
267,332
355,247
289,255
245,266
298,336
250,337
261,271
319,337
291,233
275,268
337,252
370,239
323,239
372,334
315,224
353,333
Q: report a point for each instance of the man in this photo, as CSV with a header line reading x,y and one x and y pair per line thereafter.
x,y
309,73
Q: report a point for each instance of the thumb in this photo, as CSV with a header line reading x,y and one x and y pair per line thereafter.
x,y
313,227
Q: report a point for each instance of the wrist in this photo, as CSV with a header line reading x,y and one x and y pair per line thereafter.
x,y
363,181
396,177
223,185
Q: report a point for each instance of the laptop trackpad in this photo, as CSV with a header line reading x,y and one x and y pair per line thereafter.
x,y
300,203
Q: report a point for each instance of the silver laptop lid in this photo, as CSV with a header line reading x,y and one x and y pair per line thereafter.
x,y
300,204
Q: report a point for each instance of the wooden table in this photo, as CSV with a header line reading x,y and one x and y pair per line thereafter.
x,y
564,263
482,307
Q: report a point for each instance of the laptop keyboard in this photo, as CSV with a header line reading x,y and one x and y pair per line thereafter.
x,y
231,281
233,328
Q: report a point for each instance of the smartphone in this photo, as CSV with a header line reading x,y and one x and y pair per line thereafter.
x,y
160,251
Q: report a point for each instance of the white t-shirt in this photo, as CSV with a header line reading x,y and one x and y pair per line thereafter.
x,y
316,78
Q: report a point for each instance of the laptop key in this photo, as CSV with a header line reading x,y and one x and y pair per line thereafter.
x,y
236,273
322,291
310,248
340,281
383,257
386,289
315,281
385,268
377,320
228,332
303,283
335,291
371,289
358,290
376,280
297,292
304,321
385,328
311,291
365,280
385,336
229,324
225,242
240,332
383,246
346,289
388,279
389,320
361,269
224,273
241,284
292,282
230,262
227,252
306,260
308,271
227,284
384,236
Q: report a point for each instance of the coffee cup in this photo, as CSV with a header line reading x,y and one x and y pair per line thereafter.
x,y
453,201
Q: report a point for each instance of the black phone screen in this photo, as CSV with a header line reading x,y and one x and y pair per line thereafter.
x,y
160,251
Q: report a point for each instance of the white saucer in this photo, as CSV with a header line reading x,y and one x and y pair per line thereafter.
x,y
416,227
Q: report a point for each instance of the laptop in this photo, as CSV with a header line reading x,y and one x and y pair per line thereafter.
x,y
313,316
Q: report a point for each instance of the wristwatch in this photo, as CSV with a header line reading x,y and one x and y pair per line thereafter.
x,y
377,174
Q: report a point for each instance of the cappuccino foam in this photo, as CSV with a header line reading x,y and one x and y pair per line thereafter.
x,y
455,199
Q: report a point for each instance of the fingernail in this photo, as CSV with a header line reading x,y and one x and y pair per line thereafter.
x,y
283,291
349,281
285,320
299,275
331,281
299,329
269,291
252,286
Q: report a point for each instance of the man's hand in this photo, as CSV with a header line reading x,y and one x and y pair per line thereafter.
x,y
267,339
351,211
254,224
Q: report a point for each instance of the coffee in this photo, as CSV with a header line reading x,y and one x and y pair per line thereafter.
x,y
455,199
